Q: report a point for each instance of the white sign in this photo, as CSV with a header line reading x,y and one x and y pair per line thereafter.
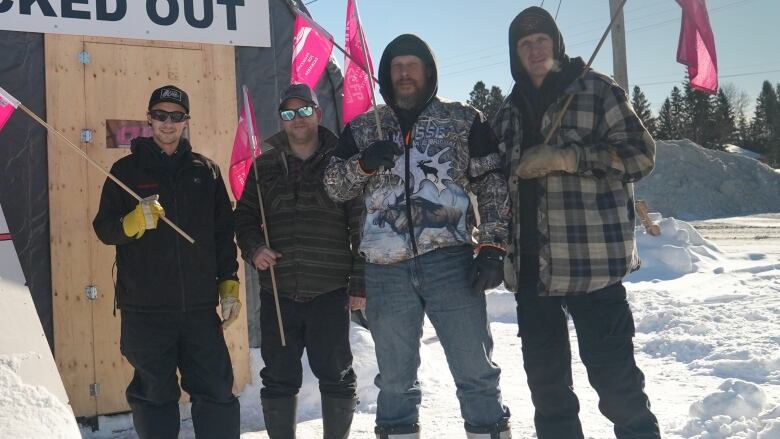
x,y
230,22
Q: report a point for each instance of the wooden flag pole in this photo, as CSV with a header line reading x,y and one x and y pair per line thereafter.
x,y
566,104
103,171
250,127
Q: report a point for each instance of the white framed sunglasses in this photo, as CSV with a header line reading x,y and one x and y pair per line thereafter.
x,y
305,111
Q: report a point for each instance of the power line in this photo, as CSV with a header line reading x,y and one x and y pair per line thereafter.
x,y
735,75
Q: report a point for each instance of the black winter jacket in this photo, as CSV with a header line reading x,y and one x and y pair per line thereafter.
x,y
161,271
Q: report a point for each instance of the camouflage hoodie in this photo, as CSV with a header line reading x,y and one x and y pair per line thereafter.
x,y
423,203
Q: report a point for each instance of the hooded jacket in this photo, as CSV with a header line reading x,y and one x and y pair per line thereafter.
x,y
422,203
578,227
161,271
312,232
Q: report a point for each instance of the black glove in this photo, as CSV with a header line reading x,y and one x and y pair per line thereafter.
x,y
380,154
488,270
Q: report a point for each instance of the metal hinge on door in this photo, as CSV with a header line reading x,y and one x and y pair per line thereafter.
x,y
91,292
94,389
86,135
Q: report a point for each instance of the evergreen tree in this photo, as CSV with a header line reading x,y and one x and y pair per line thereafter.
x,y
764,127
494,101
724,121
488,102
743,132
478,98
679,117
642,109
666,124
698,108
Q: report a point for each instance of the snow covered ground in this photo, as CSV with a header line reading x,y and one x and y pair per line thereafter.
x,y
707,340
707,314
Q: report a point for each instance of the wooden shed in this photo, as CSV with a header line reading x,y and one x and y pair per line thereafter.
x,y
96,92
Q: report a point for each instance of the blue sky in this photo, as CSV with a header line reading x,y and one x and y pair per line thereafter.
x,y
469,38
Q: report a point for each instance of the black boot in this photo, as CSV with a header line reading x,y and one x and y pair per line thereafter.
x,y
279,417
337,417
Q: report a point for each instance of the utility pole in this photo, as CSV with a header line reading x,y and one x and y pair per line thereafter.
x,y
619,67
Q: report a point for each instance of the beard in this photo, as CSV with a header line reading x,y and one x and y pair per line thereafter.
x,y
408,101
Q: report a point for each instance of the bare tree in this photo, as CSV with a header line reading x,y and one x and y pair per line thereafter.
x,y
740,100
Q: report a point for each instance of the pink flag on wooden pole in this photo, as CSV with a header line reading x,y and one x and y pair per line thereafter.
x,y
311,51
244,144
696,48
357,83
7,106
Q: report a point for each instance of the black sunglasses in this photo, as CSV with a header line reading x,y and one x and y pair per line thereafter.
x,y
288,115
162,115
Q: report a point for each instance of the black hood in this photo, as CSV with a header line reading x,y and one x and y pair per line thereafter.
x,y
530,21
407,44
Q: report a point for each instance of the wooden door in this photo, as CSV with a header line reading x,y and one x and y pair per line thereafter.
x,y
112,81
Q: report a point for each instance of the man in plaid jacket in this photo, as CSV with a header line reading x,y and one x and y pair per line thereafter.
x,y
572,236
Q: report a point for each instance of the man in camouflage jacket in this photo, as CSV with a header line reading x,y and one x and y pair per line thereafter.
x,y
572,234
417,238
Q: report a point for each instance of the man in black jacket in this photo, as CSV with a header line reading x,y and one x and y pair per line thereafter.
x,y
168,288
310,249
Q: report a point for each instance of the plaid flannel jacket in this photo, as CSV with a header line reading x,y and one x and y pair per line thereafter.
x,y
585,220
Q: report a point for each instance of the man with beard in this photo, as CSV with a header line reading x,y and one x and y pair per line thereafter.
x,y
572,229
417,238
168,288
309,249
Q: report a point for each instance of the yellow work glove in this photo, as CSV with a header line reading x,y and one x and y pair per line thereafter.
x,y
143,217
228,299
543,159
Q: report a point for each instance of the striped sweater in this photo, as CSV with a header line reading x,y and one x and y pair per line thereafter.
x,y
310,230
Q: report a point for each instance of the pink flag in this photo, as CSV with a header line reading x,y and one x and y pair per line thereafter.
x,y
357,83
311,50
245,140
696,48
7,106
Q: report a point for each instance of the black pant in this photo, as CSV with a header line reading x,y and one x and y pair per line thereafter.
x,y
321,326
156,344
605,327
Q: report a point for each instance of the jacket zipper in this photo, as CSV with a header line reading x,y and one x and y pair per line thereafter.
x,y
178,243
407,189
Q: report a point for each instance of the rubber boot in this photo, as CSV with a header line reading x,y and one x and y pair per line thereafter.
x,y
498,431
337,417
398,432
279,417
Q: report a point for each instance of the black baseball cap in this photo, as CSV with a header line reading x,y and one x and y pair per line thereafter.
x,y
299,91
170,93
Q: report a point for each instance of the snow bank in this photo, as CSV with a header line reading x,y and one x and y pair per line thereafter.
x,y
690,182
737,409
734,149
30,412
678,251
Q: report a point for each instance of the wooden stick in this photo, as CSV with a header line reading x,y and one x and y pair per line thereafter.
x,y
641,209
253,142
100,168
566,104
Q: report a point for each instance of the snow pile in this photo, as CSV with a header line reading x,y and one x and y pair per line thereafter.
x,y
678,251
734,149
30,412
690,182
736,410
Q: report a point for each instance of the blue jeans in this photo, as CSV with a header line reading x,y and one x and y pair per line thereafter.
x,y
397,298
